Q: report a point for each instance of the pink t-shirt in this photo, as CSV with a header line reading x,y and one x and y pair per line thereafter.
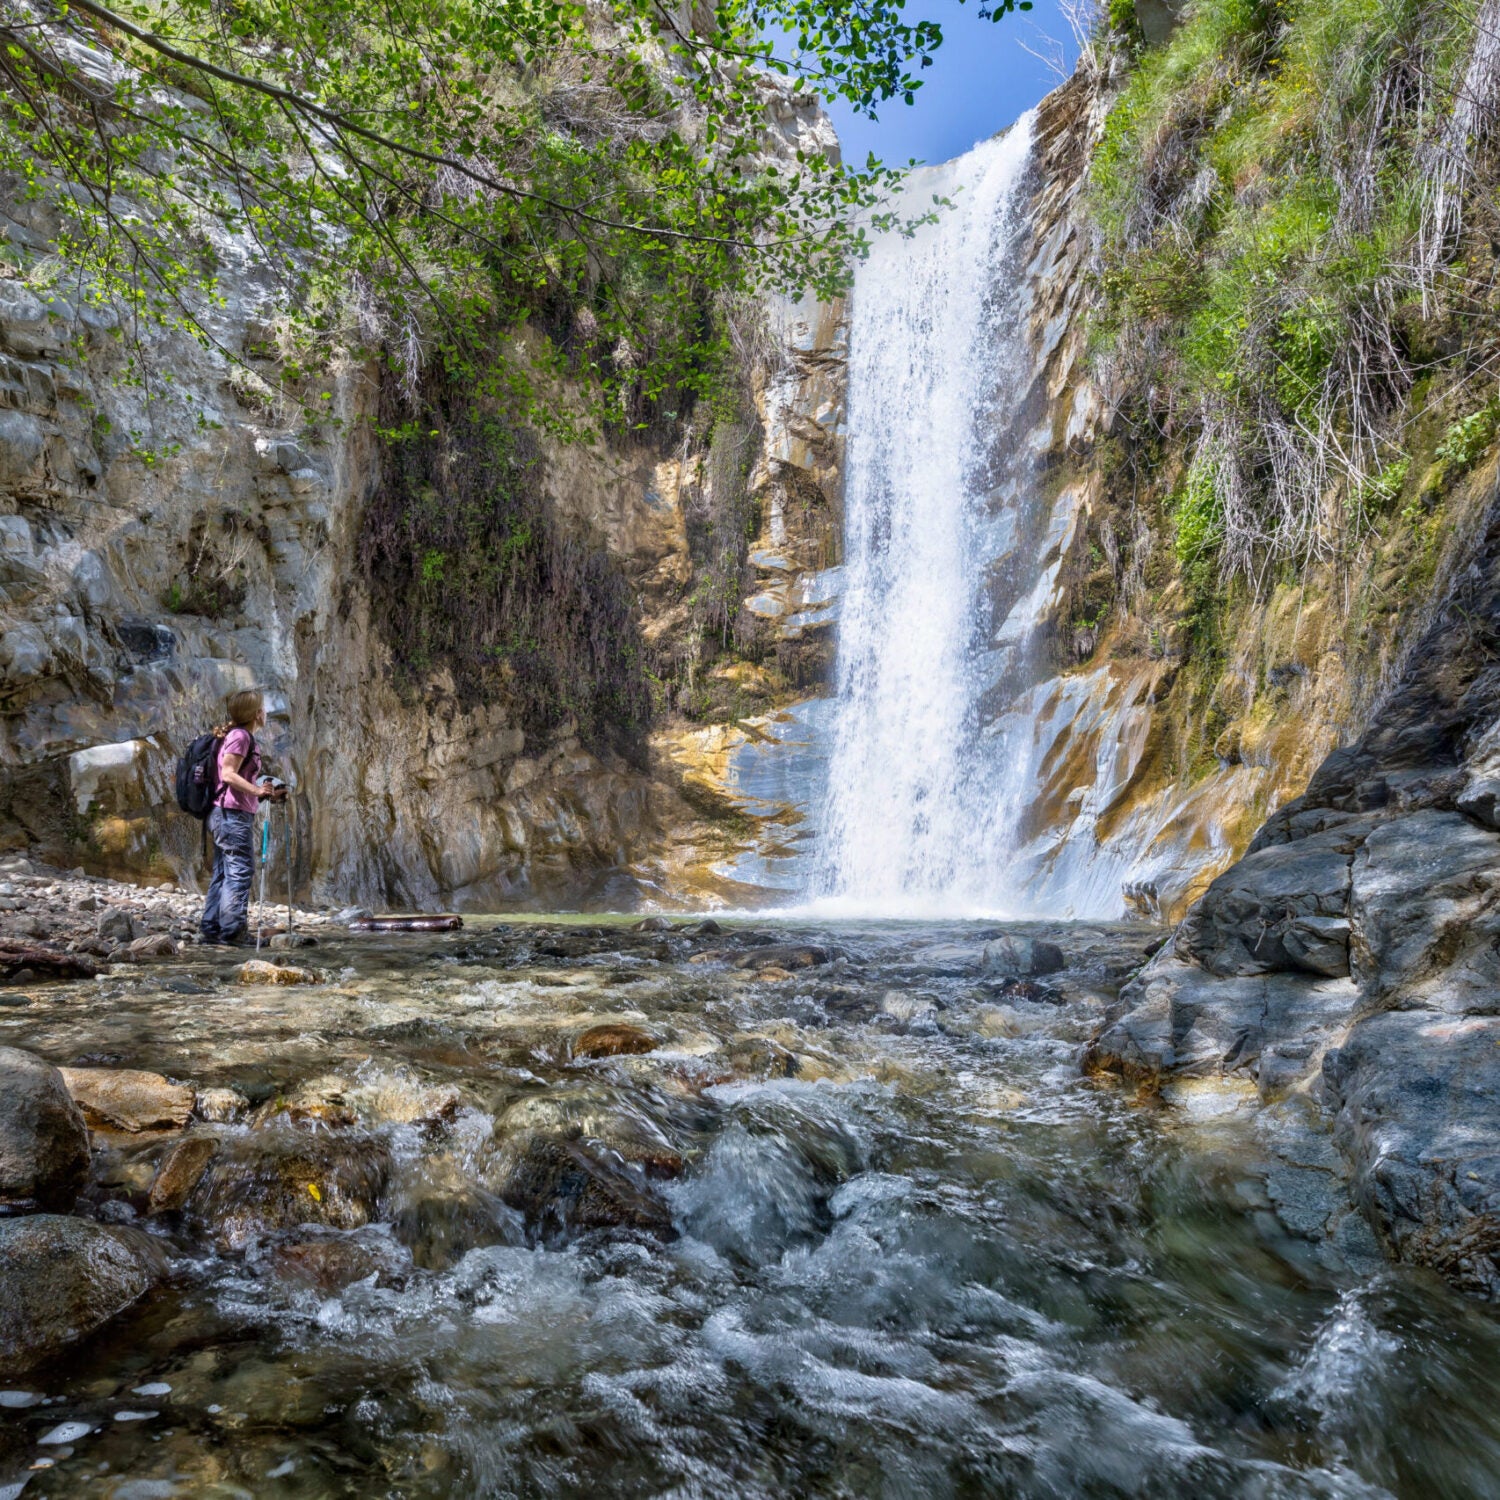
x,y
239,742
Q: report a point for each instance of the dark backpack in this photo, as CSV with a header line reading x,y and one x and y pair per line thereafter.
x,y
198,776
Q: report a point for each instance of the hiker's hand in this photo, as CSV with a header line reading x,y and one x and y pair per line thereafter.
x,y
272,793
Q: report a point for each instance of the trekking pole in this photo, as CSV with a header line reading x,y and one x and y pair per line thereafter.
x,y
286,838
265,850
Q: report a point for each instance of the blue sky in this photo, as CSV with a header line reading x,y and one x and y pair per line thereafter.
x,y
980,80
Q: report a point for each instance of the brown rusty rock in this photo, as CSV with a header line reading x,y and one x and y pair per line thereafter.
x,y
613,1039
179,1173
258,971
785,956
128,1099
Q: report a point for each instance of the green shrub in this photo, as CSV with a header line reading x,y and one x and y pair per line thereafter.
x,y
1197,516
1469,439
1258,190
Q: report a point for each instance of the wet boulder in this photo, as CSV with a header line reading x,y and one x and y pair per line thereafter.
x,y
63,1278
759,1057
180,1171
564,1187
44,1140
613,1039
274,1180
374,1097
1016,957
599,1116
129,1099
785,956
1178,1019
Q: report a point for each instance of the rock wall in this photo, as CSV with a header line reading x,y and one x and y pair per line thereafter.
x,y
167,542
1352,957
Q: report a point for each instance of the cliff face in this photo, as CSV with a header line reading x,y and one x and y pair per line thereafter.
x,y
163,545
1175,708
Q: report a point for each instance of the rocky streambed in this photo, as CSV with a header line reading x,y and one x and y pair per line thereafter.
x,y
549,1208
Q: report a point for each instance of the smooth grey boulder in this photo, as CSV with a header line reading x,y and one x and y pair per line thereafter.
x,y
44,1142
1175,1018
63,1278
1320,945
1480,800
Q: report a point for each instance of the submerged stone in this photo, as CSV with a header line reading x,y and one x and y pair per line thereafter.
x,y
274,1180
561,1188
613,1039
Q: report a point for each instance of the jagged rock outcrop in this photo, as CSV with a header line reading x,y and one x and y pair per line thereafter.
x,y
1387,871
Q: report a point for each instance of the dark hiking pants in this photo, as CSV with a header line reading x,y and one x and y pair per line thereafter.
x,y
224,913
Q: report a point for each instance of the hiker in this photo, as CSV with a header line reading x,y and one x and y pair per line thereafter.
x,y
231,824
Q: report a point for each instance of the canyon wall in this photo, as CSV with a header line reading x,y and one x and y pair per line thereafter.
x,y
163,543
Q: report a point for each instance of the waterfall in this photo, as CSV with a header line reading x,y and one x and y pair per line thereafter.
x,y
942,593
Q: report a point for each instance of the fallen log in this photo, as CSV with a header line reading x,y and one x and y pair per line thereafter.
x,y
23,963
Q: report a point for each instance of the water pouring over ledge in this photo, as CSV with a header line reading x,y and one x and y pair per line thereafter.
x,y
964,766
944,589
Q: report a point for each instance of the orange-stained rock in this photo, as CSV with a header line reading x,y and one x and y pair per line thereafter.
x,y
179,1172
613,1039
128,1099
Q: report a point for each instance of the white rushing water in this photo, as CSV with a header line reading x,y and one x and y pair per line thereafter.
x,y
940,607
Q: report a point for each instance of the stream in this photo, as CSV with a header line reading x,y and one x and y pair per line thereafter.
x,y
564,1208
